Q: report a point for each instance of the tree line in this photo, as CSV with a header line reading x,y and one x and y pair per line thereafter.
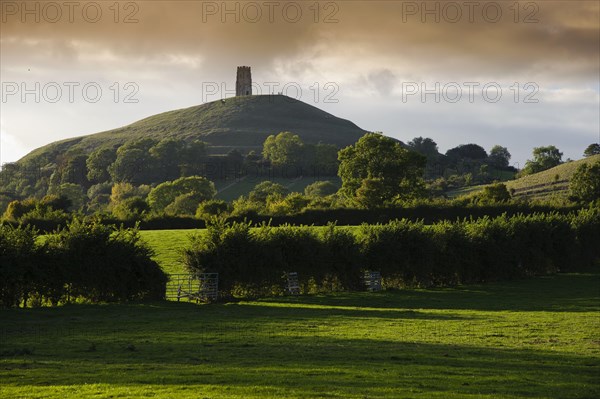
x,y
145,178
253,262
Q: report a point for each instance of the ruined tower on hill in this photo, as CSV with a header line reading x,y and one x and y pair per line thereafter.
x,y
243,83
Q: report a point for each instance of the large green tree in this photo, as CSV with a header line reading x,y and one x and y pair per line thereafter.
x,y
98,163
285,149
320,189
264,189
134,163
324,162
543,158
398,172
468,151
424,146
499,156
592,149
200,188
167,156
585,183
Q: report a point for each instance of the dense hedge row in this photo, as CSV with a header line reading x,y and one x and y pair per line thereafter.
x,y
429,213
253,261
86,261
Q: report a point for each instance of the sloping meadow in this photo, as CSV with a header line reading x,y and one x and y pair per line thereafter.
x,y
253,261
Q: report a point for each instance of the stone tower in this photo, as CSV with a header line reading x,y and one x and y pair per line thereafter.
x,y
243,83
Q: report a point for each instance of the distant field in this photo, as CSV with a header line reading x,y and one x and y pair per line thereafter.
x,y
232,189
168,245
551,182
531,339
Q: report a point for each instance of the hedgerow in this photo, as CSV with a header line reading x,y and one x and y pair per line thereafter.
x,y
85,261
252,262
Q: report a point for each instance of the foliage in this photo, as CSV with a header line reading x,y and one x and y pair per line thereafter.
x,y
200,188
251,263
592,149
469,151
50,210
543,158
266,189
424,146
499,156
321,159
320,189
122,191
284,149
407,253
130,208
18,266
398,171
212,208
492,194
289,205
98,163
73,193
371,194
184,204
87,261
585,183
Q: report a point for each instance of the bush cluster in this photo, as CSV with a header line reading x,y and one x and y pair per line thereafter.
x,y
85,261
252,262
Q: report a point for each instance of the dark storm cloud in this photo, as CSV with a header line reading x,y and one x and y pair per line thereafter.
x,y
564,38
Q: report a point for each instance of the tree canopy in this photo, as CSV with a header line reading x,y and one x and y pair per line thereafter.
x,y
585,183
499,156
284,149
424,146
592,149
543,158
263,190
200,188
392,170
470,151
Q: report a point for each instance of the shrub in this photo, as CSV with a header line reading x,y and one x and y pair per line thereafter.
x,y
17,261
251,261
213,208
87,261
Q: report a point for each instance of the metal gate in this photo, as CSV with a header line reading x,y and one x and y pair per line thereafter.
x,y
202,287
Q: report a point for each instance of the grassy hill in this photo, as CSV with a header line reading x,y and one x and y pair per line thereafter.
x,y
239,122
553,182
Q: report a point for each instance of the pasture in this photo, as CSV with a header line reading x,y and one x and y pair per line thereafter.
x,y
535,338
553,182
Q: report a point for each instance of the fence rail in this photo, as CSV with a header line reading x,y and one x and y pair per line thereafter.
x,y
202,287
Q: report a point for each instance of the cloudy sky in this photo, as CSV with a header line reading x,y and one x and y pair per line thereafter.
x,y
517,74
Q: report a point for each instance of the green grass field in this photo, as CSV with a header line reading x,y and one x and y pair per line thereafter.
x,y
535,338
168,244
547,177
553,182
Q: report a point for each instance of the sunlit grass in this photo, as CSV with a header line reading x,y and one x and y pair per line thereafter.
x,y
534,338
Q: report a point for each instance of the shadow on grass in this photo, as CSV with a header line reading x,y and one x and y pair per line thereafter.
x,y
319,365
558,293
311,346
